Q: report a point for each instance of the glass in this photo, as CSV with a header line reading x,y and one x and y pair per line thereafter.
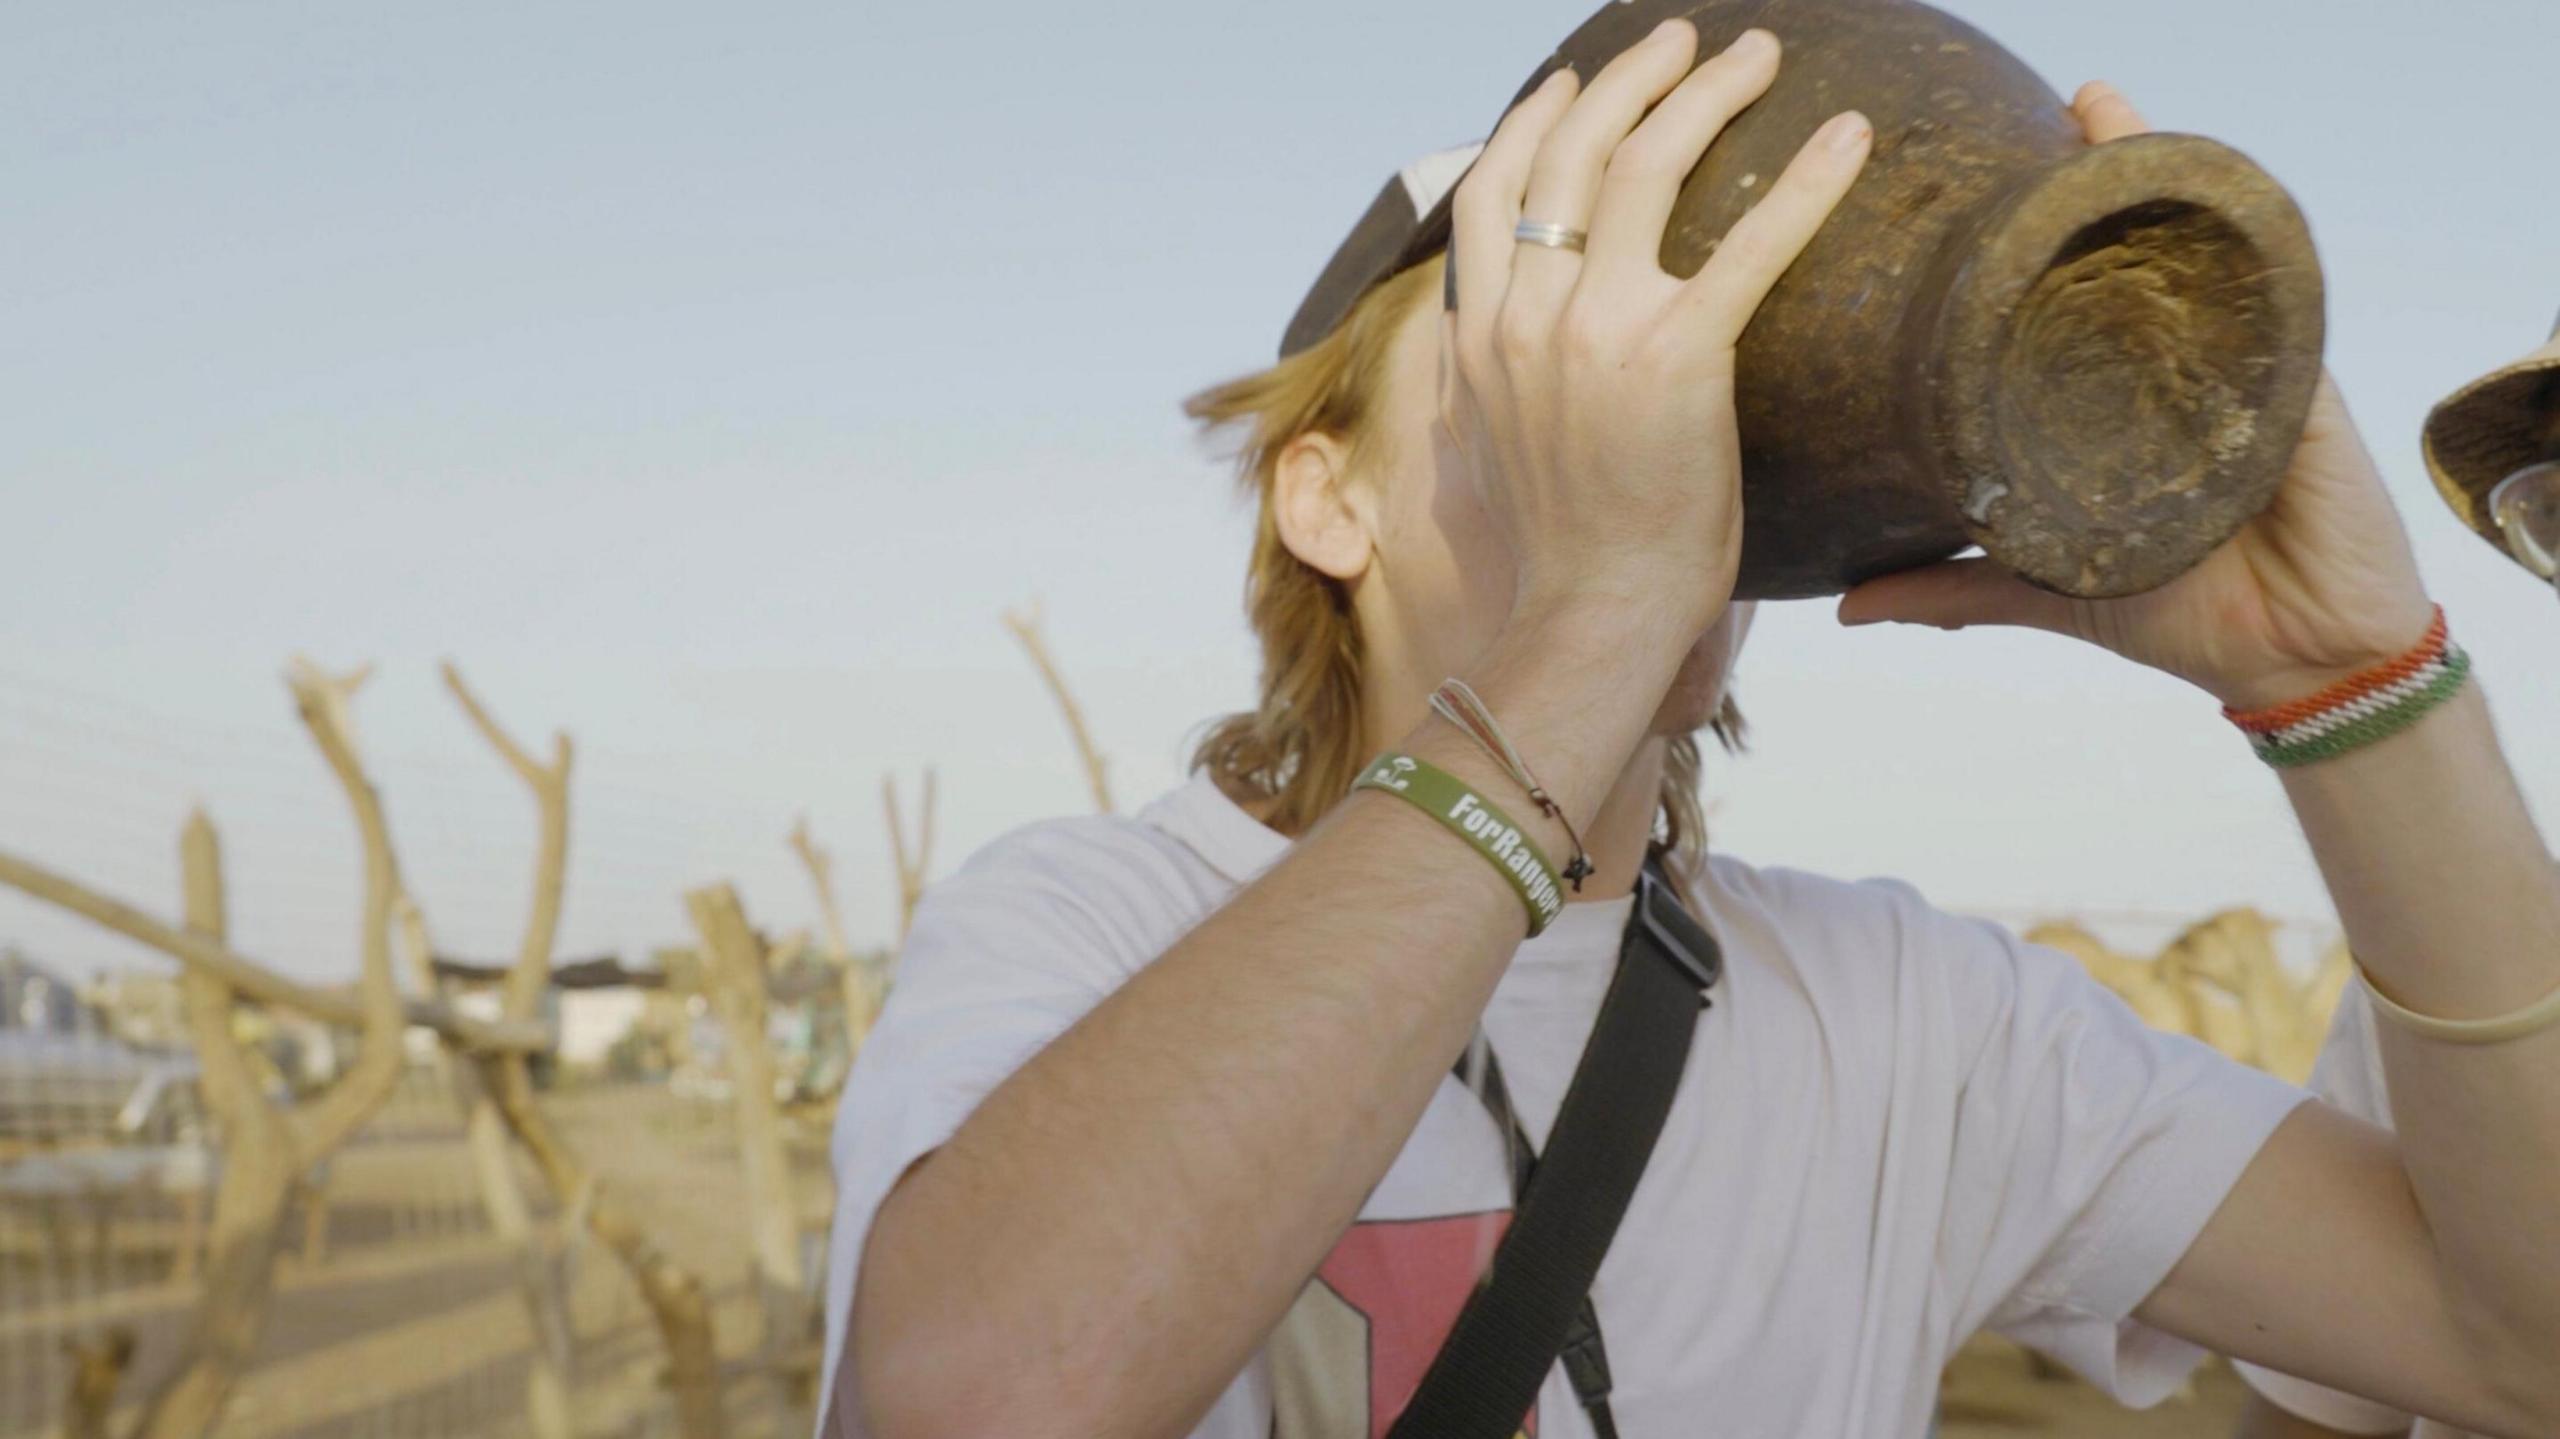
x,y
2526,506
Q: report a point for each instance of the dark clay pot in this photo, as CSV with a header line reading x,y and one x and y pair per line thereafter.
x,y
2093,362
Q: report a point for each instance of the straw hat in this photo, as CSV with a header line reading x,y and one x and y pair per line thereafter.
x,y
2492,428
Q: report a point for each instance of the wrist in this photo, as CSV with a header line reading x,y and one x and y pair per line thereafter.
x,y
1576,689
1674,574
1626,611
2338,659
2363,708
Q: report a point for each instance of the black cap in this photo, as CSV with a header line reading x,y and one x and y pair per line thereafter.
x,y
1393,235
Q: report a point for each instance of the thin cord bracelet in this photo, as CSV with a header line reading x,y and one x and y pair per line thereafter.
x,y
1456,702
1483,825
2361,710
2534,1018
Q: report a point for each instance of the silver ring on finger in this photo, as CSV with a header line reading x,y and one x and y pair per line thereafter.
x,y
1553,237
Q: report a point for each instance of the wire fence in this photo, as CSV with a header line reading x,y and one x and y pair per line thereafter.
x,y
396,1307
107,1174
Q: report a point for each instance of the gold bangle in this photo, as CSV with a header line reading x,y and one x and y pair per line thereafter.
x,y
2532,1019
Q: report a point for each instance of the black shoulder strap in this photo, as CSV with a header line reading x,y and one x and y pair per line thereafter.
x,y
1586,1353
1520,1317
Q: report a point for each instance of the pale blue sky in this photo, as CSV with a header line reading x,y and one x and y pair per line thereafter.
x,y
707,379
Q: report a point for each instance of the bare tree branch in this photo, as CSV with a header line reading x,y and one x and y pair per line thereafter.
x,y
914,861
2273,1022
735,961
230,1088
676,1298
821,867
253,980
324,701
550,786
1025,624
260,1166
858,1009
549,1377
267,1152
538,776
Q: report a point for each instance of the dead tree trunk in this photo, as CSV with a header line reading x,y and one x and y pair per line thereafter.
x,y
1025,625
677,1303
266,1151
190,1402
541,1274
259,1167
541,1277
735,960
255,982
859,1010
676,1300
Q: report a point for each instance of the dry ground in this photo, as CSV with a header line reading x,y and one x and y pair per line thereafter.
x,y
418,1331
410,1324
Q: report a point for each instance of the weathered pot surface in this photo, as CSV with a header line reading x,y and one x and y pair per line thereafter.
x,y
2092,361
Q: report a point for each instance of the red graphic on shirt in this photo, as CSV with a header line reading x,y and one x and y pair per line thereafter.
x,y
1355,1347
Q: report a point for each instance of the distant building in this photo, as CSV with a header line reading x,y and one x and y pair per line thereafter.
x,y
593,1021
141,1007
590,1006
37,1000
804,1024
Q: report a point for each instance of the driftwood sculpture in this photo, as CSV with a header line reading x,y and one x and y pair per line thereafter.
x,y
674,1295
2147,989
859,1006
2281,1021
1025,625
2220,981
914,859
269,1150
550,1371
735,963
254,981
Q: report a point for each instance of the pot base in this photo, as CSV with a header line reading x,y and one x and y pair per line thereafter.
x,y
2125,362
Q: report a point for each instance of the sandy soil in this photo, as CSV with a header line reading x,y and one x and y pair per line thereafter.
x,y
409,1322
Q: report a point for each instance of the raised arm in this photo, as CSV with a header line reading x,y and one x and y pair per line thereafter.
x,y
2420,1271
2414,1269
1120,1223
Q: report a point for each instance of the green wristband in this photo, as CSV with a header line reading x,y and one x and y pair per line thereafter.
x,y
1484,827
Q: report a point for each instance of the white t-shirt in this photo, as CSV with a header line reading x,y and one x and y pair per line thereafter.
x,y
1897,1127
2348,1075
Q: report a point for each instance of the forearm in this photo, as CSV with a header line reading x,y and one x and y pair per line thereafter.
x,y
2452,903
1128,1215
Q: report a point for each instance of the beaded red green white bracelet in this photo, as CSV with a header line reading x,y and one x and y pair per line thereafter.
x,y
2361,709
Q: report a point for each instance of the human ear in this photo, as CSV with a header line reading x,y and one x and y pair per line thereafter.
x,y
1319,516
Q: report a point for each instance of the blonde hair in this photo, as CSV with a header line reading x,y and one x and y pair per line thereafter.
x,y
1298,750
